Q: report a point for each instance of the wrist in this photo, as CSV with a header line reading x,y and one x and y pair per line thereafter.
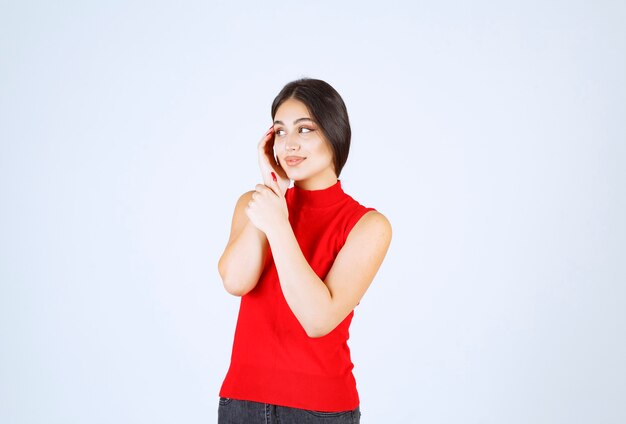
x,y
280,230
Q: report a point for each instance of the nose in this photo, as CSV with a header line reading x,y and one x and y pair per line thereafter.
x,y
291,143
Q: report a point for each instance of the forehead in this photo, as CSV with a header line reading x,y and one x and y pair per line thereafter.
x,y
290,110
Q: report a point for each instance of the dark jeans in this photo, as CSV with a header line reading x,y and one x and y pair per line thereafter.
x,y
233,411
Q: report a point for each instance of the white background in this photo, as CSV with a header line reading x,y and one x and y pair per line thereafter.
x,y
491,134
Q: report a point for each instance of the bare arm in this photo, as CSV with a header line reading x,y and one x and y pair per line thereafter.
x,y
321,305
241,264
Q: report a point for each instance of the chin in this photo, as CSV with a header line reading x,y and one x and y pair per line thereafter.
x,y
296,176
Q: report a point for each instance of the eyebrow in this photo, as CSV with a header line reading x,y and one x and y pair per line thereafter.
x,y
294,122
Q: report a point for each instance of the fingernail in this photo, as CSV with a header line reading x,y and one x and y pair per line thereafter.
x,y
274,177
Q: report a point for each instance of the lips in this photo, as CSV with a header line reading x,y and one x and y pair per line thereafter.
x,y
293,160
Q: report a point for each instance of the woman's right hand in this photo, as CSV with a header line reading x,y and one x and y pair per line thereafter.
x,y
267,164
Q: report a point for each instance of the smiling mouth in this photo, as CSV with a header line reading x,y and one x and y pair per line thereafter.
x,y
293,161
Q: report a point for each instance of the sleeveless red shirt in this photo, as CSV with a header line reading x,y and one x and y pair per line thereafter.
x,y
273,360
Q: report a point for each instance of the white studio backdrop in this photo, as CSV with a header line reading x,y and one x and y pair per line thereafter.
x,y
491,134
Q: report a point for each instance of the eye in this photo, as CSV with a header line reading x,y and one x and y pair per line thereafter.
x,y
280,132
305,130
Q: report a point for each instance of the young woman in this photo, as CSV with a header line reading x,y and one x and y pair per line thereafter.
x,y
301,258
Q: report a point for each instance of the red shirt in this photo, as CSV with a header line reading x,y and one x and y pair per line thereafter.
x,y
273,360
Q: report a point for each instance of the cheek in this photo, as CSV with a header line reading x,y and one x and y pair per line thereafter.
x,y
325,151
318,146
278,146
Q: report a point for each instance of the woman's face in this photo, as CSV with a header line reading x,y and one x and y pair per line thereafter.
x,y
300,147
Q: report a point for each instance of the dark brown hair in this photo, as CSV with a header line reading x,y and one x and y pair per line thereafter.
x,y
328,110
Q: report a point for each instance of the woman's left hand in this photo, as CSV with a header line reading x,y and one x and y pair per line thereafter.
x,y
267,209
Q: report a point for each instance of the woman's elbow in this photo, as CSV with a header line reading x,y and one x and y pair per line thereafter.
x,y
234,288
235,291
317,330
314,333
231,285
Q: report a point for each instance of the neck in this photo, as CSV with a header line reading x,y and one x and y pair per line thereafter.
x,y
320,183
301,198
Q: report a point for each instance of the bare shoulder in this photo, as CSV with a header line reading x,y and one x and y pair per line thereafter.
x,y
245,198
239,215
243,201
372,223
